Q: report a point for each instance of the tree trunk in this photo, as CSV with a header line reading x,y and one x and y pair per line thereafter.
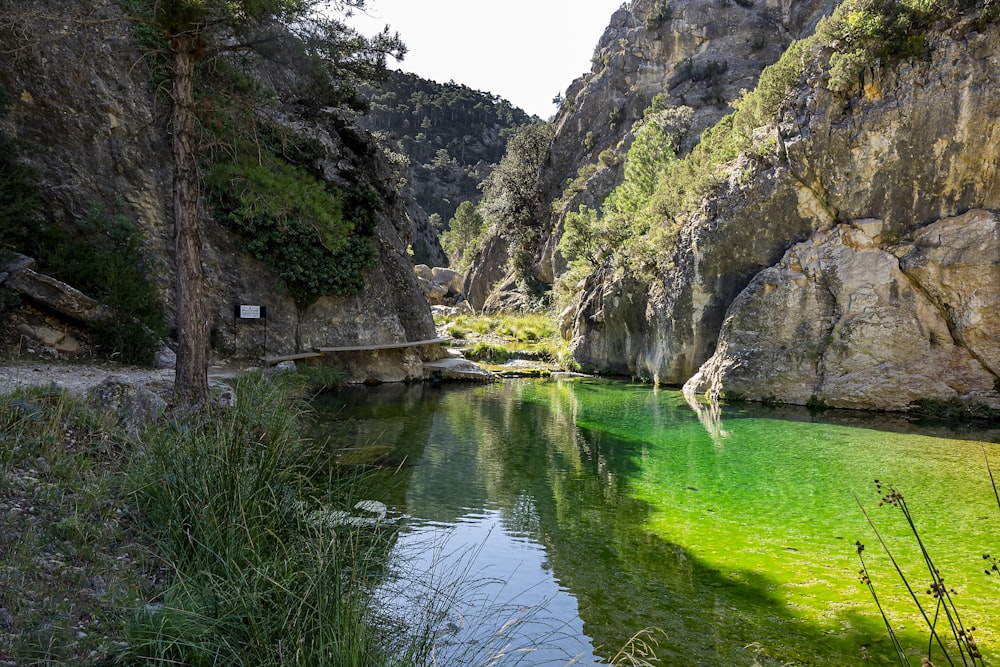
x,y
191,379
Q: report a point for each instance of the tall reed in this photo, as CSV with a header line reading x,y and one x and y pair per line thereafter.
x,y
258,571
948,637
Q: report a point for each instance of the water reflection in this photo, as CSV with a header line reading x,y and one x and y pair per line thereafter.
x,y
710,415
583,512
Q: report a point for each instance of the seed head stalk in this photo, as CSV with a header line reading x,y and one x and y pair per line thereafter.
x,y
967,647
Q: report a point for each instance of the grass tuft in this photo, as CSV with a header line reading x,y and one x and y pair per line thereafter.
x,y
253,576
215,541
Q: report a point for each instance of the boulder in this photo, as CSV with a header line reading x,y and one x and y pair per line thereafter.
x,y
136,406
457,369
449,278
12,262
165,358
838,321
424,271
57,295
433,292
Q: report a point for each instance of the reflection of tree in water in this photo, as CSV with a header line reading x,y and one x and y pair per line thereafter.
x,y
382,431
569,487
566,463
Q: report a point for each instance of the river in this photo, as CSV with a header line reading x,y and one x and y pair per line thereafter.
x,y
570,522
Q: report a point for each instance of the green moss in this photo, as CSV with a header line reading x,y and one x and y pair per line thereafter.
x,y
483,351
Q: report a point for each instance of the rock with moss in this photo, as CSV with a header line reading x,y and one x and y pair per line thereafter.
x,y
119,151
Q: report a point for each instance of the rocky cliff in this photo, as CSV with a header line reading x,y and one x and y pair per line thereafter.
x,y
95,131
695,53
855,265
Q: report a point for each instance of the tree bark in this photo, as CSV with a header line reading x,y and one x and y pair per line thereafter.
x,y
191,374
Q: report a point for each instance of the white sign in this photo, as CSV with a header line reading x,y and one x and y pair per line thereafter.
x,y
249,312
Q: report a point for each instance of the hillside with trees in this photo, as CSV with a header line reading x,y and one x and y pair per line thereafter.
x,y
451,136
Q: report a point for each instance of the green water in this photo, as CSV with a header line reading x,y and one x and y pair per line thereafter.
x,y
581,512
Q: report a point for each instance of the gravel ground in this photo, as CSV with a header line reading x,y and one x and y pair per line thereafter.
x,y
78,378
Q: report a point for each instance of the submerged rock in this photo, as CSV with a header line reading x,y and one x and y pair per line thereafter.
x,y
457,369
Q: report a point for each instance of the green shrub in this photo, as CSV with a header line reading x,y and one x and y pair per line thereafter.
x,y
10,300
317,242
20,204
103,257
458,331
482,325
244,511
483,351
640,220
864,33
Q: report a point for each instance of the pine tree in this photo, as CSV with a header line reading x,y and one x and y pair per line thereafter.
x,y
198,31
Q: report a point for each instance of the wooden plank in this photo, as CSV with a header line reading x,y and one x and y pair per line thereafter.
x,y
383,346
290,357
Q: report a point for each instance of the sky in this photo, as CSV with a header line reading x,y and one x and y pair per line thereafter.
x,y
525,51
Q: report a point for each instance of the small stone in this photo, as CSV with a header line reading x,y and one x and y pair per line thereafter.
x,y
224,396
165,358
68,345
285,367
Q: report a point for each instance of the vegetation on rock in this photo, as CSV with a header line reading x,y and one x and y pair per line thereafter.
x,y
464,236
501,336
103,257
100,254
203,33
510,203
451,135
318,242
867,33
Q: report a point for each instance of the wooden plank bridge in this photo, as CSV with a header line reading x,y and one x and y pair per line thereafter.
x,y
320,351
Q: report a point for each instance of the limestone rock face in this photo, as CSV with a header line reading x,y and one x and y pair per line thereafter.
x,y
916,145
488,268
956,263
839,321
698,53
610,308
97,133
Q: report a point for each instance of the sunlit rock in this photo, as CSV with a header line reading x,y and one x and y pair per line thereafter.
x,y
837,321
